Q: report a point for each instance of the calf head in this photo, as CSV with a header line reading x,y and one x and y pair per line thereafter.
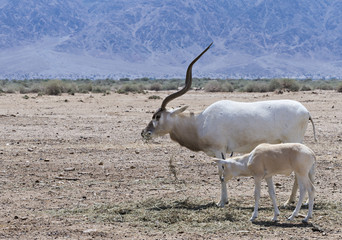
x,y
224,169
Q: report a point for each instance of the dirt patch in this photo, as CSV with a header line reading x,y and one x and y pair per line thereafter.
x,y
75,167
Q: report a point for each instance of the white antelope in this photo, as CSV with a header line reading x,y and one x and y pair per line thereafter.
x,y
228,126
267,160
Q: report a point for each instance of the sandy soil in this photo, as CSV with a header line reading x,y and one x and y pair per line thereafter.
x,y
75,167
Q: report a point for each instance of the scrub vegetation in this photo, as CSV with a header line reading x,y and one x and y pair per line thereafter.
x,y
143,85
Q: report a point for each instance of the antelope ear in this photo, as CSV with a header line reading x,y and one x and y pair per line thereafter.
x,y
179,110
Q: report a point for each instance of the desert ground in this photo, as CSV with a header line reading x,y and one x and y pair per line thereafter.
x,y
75,167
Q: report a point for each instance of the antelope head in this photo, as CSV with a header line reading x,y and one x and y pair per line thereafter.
x,y
161,122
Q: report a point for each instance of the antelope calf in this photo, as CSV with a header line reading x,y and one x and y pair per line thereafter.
x,y
267,160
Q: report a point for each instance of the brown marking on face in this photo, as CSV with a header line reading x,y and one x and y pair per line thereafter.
x,y
155,126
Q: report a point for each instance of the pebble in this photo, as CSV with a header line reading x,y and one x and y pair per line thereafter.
x,y
90,230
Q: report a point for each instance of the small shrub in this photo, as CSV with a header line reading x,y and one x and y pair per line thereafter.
x,y
170,86
26,97
305,88
101,89
256,87
339,88
145,79
23,90
106,93
290,84
36,88
10,89
227,87
156,87
251,87
85,88
212,86
135,88
216,86
325,86
154,97
70,88
274,85
54,87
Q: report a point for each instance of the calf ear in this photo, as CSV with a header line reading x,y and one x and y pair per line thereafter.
x,y
179,110
217,161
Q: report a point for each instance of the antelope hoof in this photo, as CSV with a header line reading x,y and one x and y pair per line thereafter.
x,y
222,203
306,203
288,203
305,220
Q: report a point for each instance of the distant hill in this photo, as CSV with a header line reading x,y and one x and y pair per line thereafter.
x,y
152,38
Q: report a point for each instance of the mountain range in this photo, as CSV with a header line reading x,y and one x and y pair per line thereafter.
x,y
158,39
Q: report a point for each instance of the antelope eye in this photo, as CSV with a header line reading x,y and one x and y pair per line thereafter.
x,y
158,117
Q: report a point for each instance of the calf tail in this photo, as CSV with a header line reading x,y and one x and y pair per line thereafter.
x,y
313,128
312,173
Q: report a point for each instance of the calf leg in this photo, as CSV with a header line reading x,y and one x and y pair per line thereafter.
x,y
257,188
312,179
311,193
295,188
271,192
302,191
312,174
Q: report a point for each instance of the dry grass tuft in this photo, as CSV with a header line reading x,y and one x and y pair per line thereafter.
x,y
200,215
172,169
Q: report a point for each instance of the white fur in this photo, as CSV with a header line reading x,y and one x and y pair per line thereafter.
x,y
228,126
267,160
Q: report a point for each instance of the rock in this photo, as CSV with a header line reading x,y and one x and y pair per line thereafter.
x,y
317,229
90,230
69,169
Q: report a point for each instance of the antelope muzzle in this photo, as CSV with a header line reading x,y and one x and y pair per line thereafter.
x,y
147,132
